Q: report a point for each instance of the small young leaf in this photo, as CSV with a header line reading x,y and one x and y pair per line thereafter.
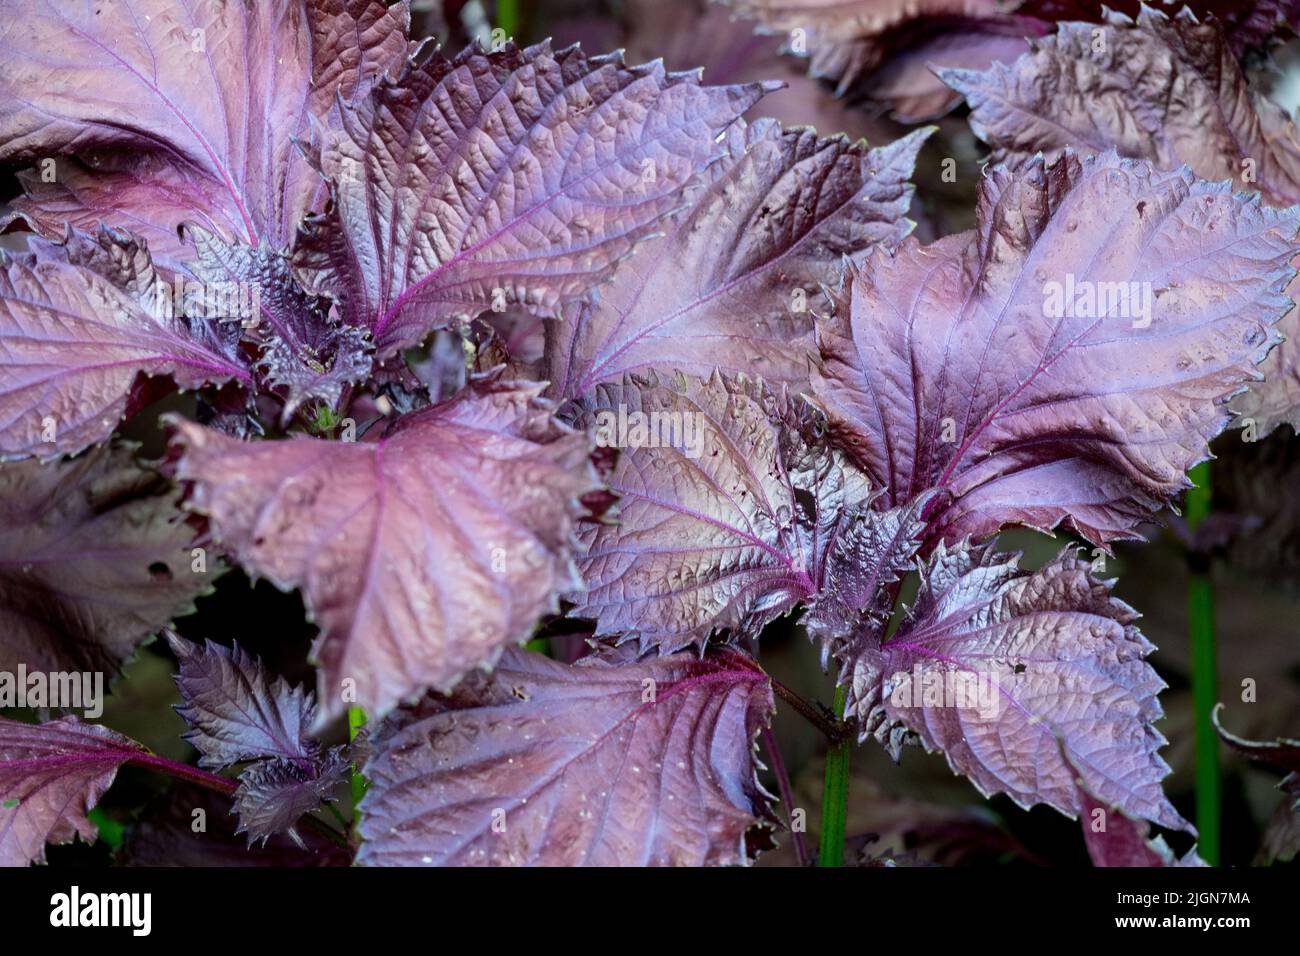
x,y
304,351
168,833
274,794
237,710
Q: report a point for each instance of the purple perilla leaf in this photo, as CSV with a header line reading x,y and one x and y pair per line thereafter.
x,y
1114,838
507,176
702,34
163,836
994,664
1283,753
305,352
596,763
274,794
1165,89
150,113
735,282
1068,360
869,553
95,556
237,710
1249,24
732,509
80,323
884,50
421,552
1162,89
1281,837
51,776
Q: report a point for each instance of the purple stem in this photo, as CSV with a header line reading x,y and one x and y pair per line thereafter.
x,y
787,795
835,731
185,772
212,781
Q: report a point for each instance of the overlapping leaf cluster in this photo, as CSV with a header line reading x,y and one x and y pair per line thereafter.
x,y
846,406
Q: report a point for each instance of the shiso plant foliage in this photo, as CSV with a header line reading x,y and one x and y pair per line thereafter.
x,y
574,407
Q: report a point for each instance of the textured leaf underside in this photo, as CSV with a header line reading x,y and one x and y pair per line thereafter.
x,y
599,764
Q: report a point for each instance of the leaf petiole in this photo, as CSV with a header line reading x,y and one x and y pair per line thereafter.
x,y
787,795
834,730
223,785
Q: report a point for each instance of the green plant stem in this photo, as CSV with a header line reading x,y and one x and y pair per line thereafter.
x,y
1205,693
356,720
508,16
835,794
